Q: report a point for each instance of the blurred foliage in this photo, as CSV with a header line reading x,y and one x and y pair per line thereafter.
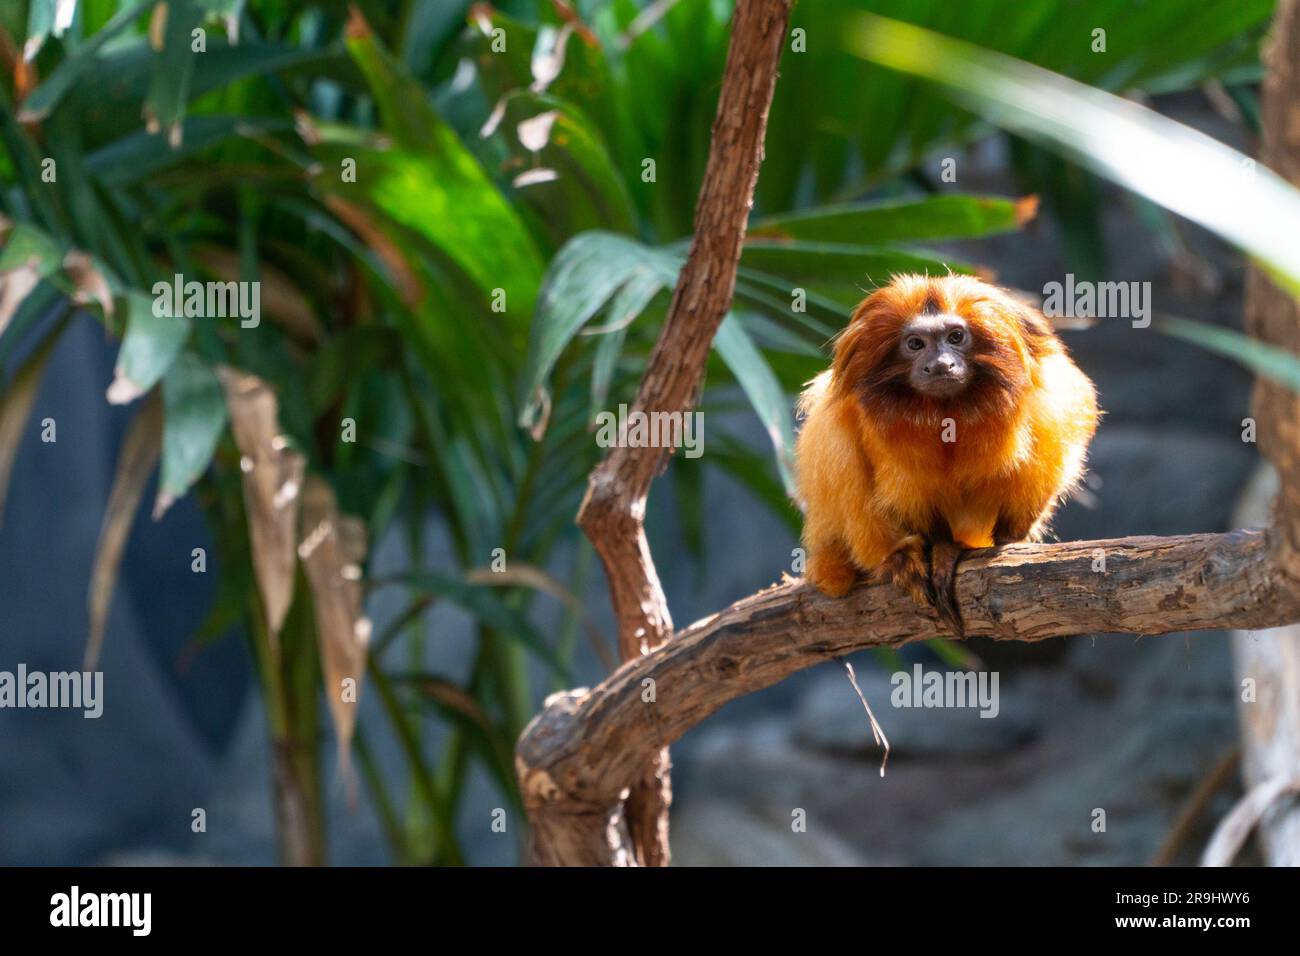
x,y
466,222
1162,161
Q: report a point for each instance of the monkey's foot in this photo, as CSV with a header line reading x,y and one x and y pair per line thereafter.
x,y
944,556
907,568
831,573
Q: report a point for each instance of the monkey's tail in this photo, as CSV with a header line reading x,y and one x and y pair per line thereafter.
x,y
944,555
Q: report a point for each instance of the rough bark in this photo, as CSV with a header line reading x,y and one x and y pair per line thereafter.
x,y
576,759
613,510
1270,724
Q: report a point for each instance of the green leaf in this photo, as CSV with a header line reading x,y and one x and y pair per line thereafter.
x,y
1267,360
194,415
834,262
149,347
173,68
137,156
445,198
45,97
40,24
951,216
859,125
585,275
584,77
1165,161
563,174
762,389
28,257
626,305
488,608
25,244
434,185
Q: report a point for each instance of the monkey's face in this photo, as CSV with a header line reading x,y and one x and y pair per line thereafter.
x,y
926,348
935,348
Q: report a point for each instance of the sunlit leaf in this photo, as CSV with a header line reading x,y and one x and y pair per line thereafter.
x,y
583,277
949,216
770,403
1165,161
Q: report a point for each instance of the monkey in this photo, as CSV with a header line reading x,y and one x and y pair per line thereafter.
x,y
951,418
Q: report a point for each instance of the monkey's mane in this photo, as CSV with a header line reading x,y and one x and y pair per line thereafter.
x,y
1007,339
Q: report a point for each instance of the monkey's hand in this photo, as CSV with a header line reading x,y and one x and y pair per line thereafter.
x,y
907,567
929,581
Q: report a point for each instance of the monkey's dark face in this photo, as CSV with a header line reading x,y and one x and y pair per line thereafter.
x,y
923,349
936,349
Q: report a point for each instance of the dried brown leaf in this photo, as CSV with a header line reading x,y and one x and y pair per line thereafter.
x,y
331,550
158,27
89,282
272,479
15,406
135,463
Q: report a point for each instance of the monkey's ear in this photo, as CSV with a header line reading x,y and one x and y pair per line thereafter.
x,y
1036,329
846,344
863,342
849,339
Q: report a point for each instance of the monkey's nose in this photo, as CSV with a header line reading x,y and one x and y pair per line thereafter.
x,y
940,366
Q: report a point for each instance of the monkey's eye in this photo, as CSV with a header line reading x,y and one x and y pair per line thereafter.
x,y
956,336
915,343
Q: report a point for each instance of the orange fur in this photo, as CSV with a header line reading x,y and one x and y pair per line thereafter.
x,y
876,477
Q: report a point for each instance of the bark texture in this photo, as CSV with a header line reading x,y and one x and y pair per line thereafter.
x,y
1270,723
577,758
613,511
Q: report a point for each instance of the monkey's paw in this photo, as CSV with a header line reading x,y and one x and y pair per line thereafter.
x,y
908,568
831,574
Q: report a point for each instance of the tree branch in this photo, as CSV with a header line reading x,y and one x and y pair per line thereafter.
x,y
1270,721
613,509
578,756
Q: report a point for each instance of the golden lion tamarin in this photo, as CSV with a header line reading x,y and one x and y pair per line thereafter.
x,y
950,418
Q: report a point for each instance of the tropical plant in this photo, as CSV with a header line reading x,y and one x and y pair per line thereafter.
x,y
466,223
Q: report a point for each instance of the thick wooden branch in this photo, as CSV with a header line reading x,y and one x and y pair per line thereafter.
x,y
1270,724
613,509
1271,314
580,755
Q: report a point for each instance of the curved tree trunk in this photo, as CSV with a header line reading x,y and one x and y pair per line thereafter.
x,y
1270,660
613,510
